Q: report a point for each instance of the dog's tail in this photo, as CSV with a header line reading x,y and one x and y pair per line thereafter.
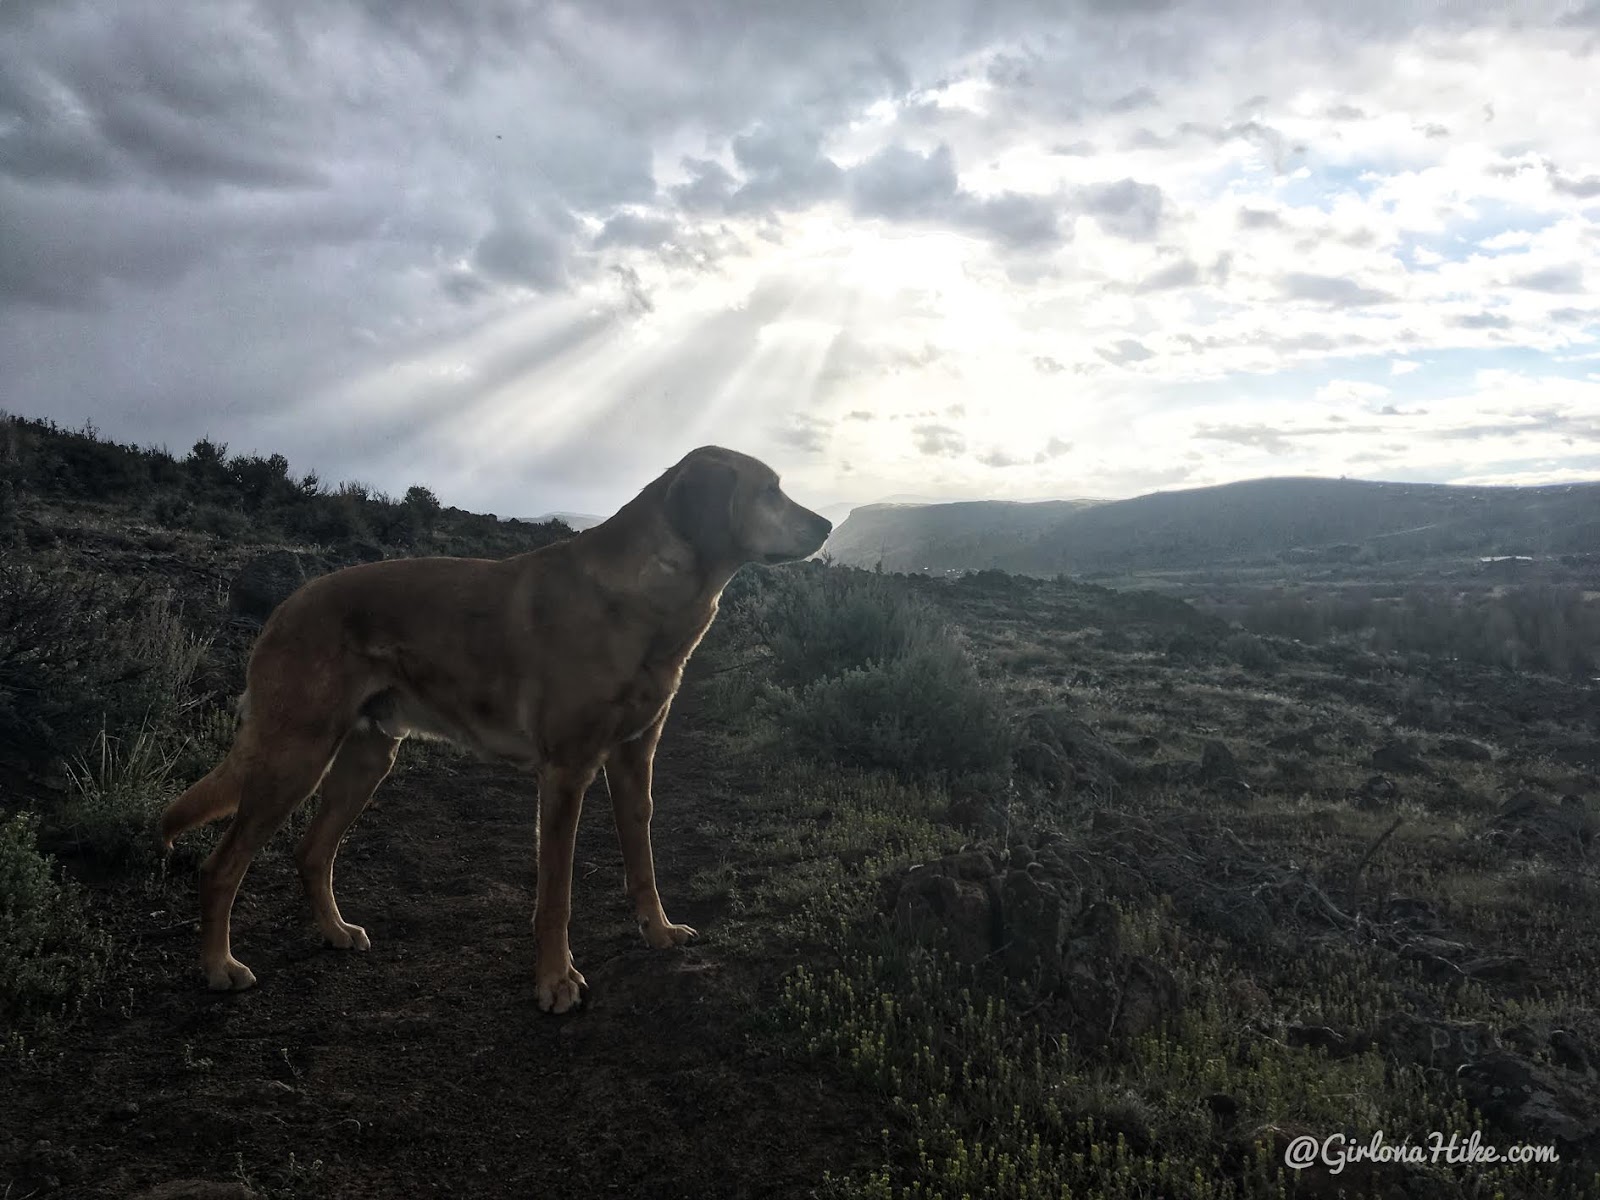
x,y
212,798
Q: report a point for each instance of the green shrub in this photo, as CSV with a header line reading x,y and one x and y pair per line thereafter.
x,y
221,522
83,653
118,790
1250,652
261,481
820,622
172,510
10,517
924,714
50,953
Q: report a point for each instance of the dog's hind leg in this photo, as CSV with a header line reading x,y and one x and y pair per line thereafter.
x,y
363,761
275,775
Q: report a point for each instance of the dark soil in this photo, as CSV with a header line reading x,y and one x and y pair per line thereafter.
x,y
424,1067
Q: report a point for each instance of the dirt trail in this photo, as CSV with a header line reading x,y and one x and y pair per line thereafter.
x,y
423,1067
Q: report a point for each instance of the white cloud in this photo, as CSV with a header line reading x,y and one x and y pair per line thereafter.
x,y
525,238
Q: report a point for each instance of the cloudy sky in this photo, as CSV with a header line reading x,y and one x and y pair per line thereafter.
x,y
530,253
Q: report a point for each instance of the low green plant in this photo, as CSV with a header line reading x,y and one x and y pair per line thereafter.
x,y
820,622
51,953
117,792
79,653
923,714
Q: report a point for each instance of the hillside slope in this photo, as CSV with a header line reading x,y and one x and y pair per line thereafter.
x,y
1258,520
943,537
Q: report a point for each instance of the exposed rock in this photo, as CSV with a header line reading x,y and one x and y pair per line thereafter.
x,y
1568,1050
1444,1045
1049,765
264,582
936,908
976,812
1037,920
1051,734
970,862
1149,998
1529,1101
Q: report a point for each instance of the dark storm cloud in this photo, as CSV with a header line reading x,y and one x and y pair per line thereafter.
x,y
81,243
526,248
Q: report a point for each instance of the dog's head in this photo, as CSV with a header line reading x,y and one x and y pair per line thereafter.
x,y
729,507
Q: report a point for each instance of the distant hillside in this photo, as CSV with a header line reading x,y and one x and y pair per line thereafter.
x,y
573,521
1259,520
943,537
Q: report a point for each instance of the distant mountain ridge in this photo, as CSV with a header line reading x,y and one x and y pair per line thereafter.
x,y
574,521
944,537
1254,520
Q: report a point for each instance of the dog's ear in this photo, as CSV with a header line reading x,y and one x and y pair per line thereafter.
x,y
699,507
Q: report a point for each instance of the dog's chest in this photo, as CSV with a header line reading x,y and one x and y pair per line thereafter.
x,y
646,694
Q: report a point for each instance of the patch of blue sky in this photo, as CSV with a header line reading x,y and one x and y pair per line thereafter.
x,y
1438,374
1322,186
1466,236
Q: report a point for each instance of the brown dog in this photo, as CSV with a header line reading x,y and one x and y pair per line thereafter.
x,y
563,661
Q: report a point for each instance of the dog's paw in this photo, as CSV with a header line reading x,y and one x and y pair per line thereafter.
x,y
230,976
348,937
562,994
662,937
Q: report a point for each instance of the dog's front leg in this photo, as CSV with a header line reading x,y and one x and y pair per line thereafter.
x,y
628,778
558,984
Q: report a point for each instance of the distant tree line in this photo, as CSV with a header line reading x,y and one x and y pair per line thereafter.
x,y
233,496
